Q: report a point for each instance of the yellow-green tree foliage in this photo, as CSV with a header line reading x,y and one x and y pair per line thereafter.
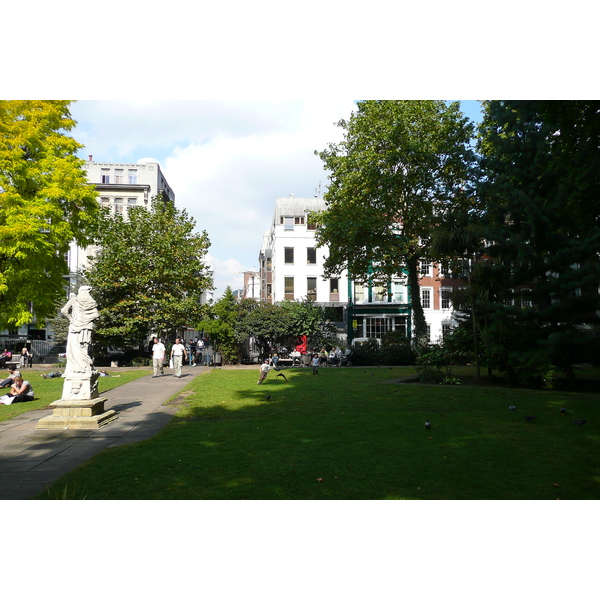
x,y
45,203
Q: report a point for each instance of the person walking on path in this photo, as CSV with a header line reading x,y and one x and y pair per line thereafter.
x,y
264,370
158,357
178,353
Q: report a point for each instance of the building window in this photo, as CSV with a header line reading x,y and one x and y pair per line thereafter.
x,y
426,268
311,226
446,330
426,297
105,202
311,256
526,298
398,291
379,293
359,292
119,206
269,264
311,288
288,288
133,176
288,256
288,223
445,297
119,177
377,327
105,176
334,295
509,300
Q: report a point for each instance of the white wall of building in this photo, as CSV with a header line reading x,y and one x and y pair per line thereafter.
x,y
297,265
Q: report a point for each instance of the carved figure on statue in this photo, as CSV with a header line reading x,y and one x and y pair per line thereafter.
x,y
82,311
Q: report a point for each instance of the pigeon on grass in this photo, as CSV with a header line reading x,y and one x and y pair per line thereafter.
x,y
512,407
580,421
530,419
563,411
427,424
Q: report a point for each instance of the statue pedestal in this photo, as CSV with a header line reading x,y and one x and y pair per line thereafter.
x,y
79,407
77,414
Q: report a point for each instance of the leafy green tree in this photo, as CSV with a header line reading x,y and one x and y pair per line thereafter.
x,y
269,325
401,165
148,274
540,187
219,326
309,319
45,203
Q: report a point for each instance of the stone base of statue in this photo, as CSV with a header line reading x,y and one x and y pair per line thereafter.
x,y
77,414
80,407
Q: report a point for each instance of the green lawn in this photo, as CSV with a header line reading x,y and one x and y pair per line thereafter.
x,y
347,434
49,390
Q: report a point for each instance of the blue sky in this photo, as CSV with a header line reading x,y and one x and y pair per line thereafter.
x,y
227,161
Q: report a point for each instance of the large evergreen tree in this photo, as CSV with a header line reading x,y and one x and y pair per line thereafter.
x,y
400,166
45,203
148,274
540,185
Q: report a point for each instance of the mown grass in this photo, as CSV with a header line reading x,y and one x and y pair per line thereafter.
x,y
347,434
49,390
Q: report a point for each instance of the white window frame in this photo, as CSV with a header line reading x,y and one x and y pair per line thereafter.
x,y
429,292
445,300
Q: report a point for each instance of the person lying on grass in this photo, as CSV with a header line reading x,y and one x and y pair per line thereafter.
x,y
21,391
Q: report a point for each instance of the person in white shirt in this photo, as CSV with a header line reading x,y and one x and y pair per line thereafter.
x,y
178,353
264,371
158,357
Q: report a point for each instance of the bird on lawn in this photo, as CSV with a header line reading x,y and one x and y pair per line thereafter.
x,y
281,375
530,419
268,397
563,411
427,424
512,408
580,421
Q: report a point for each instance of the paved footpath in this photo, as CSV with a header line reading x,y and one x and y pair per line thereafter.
x,y
31,459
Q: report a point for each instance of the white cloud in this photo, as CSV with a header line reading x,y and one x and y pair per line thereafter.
x,y
227,161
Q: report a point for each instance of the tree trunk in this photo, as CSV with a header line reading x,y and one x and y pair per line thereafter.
x,y
420,332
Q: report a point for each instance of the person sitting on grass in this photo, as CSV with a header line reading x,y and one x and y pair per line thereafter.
x,y
264,370
12,373
21,391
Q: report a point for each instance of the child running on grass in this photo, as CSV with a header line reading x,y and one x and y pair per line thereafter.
x,y
264,371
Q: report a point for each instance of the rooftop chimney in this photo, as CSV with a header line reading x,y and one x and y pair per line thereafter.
x,y
91,158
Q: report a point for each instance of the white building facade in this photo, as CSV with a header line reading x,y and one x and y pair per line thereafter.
x,y
291,265
121,186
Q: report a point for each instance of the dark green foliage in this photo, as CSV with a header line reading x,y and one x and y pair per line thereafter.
x,y
269,325
395,350
540,185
